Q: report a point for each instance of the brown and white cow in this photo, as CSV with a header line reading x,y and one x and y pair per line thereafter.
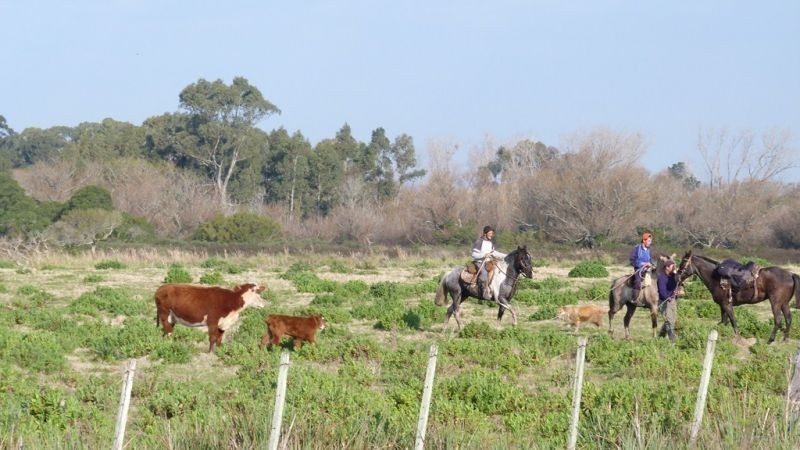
x,y
298,328
211,307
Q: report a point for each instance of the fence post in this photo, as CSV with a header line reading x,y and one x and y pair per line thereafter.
x,y
793,393
124,403
424,406
576,393
280,396
702,390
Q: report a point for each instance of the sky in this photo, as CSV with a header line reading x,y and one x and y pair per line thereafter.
x,y
446,73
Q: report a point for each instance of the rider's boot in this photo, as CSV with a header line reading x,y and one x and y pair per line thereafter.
x,y
635,296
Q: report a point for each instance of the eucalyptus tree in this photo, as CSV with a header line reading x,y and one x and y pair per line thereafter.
x,y
286,172
215,129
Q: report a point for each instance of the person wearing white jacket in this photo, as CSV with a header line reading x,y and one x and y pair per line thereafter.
x,y
483,254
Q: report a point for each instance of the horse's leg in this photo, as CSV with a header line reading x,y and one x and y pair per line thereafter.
x,y
787,318
630,308
613,307
654,317
452,309
776,320
728,312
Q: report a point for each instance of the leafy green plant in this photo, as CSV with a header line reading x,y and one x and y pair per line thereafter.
x,y
93,278
589,269
214,277
109,264
177,274
240,227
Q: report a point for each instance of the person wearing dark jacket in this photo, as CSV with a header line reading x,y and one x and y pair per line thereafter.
x,y
667,299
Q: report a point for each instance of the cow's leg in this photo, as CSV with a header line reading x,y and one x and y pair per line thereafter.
x,y
166,325
265,339
275,338
630,308
214,337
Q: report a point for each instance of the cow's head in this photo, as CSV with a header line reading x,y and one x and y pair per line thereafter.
x,y
319,320
251,294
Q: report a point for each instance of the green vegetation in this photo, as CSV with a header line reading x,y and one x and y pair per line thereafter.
x,y
177,274
589,269
61,353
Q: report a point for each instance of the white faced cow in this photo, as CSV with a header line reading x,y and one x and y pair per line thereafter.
x,y
214,308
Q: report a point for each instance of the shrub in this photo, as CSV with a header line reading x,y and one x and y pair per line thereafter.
x,y
213,277
589,269
240,227
545,312
93,278
109,264
91,197
177,274
134,229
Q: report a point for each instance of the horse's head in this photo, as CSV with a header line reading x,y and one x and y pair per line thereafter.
x,y
686,268
522,261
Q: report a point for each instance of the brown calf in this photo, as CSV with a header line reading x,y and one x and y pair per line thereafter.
x,y
214,308
299,328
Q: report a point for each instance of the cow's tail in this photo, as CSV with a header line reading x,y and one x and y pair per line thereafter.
x,y
796,279
441,293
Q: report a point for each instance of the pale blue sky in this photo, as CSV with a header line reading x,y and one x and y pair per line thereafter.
x,y
454,71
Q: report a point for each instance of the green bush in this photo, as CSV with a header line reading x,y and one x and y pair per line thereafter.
x,y
240,227
177,274
91,197
214,277
545,312
111,300
134,229
93,278
6,264
589,269
109,264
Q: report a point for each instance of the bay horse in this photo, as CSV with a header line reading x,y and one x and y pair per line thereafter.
x,y
621,295
503,285
773,283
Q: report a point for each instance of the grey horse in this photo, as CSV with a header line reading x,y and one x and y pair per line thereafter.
x,y
503,285
621,295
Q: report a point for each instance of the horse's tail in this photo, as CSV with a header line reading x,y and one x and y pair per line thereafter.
x,y
796,279
441,293
611,298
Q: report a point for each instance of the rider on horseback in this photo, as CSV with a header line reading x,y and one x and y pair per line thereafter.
x,y
640,260
483,254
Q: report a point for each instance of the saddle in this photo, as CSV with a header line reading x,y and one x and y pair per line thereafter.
x,y
470,273
736,277
645,279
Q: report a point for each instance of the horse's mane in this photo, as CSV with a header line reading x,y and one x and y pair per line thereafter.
x,y
706,259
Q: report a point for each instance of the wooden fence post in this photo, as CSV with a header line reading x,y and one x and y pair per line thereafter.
x,y
424,406
702,390
124,403
280,396
793,393
576,393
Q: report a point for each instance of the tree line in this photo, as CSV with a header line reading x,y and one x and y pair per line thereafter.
x,y
178,172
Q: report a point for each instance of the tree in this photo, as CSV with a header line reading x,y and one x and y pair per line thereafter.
x,y
680,171
84,227
594,191
89,197
216,129
285,174
740,157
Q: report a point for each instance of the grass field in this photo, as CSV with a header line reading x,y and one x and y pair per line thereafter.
x,y
69,323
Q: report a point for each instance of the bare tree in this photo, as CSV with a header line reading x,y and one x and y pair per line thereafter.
x,y
732,157
84,227
595,190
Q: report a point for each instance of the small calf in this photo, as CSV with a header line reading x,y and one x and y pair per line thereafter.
x,y
298,328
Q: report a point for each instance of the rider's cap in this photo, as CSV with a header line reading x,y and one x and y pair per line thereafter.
x,y
646,236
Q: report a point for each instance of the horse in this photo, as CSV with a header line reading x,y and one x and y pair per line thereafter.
x,y
773,283
621,295
503,285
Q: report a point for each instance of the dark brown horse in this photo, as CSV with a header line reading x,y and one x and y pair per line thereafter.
x,y
773,283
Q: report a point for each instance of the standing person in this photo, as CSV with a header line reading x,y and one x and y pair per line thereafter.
x,y
640,260
667,299
483,253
